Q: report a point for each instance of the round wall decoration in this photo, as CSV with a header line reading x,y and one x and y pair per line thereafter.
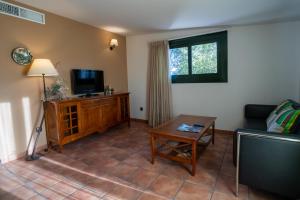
x,y
21,56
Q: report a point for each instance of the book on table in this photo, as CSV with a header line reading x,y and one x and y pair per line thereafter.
x,y
195,128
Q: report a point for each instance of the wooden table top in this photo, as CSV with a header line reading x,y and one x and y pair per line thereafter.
x,y
169,129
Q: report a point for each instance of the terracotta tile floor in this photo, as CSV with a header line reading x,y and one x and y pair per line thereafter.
x,y
115,165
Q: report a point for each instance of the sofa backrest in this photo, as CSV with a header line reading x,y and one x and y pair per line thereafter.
x,y
295,105
297,130
257,111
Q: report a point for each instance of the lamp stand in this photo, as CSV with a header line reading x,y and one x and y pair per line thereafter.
x,y
44,83
34,155
39,129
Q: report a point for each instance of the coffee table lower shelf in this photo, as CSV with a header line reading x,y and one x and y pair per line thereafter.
x,y
182,152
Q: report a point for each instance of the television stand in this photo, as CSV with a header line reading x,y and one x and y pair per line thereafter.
x,y
70,119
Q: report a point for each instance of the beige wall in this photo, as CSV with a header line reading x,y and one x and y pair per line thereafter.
x,y
69,44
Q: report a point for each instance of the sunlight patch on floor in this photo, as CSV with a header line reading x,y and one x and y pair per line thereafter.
x,y
99,177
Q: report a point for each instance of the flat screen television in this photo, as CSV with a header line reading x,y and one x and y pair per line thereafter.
x,y
87,81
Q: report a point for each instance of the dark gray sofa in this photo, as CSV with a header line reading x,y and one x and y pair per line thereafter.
x,y
266,160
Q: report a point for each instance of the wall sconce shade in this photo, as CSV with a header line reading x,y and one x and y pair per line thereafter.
x,y
113,44
42,67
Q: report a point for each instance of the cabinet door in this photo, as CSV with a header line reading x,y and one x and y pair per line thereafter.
x,y
91,119
69,122
124,108
109,115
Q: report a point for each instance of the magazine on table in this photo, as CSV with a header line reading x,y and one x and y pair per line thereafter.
x,y
195,128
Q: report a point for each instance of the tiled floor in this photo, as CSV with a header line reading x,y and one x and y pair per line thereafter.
x,y
115,165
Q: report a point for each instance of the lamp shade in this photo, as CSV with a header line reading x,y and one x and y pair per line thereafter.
x,y
42,67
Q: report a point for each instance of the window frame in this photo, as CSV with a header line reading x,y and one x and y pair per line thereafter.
x,y
222,56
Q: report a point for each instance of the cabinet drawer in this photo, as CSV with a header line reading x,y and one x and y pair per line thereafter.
x,y
98,102
109,101
90,103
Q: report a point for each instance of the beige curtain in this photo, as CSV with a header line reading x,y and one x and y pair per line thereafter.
x,y
160,106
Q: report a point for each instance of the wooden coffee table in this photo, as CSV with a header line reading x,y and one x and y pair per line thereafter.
x,y
180,146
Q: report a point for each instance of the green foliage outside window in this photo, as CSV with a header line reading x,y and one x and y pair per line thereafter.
x,y
204,58
179,61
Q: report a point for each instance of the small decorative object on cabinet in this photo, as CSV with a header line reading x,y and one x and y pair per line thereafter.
x,y
70,119
58,90
108,90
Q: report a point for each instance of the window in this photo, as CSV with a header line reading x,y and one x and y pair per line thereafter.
x,y
199,59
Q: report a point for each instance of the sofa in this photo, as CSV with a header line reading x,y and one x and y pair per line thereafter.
x,y
267,160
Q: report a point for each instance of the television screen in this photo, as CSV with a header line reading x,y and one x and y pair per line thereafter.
x,y
87,81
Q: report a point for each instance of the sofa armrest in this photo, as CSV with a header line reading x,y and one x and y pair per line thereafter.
x,y
260,134
269,161
270,135
257,111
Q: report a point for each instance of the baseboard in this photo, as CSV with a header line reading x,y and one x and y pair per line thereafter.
x,y
139,120
224,131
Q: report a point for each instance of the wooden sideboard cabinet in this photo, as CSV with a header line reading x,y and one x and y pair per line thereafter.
x,y
70,119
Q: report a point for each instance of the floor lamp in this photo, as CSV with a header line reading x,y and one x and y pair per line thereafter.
x,y
43,68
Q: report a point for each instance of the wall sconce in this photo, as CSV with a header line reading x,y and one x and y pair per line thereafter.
x,y
113,44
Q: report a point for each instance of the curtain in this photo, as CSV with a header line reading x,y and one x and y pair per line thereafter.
x,y
160,107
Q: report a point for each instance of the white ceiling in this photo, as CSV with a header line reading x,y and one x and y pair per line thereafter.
x,y
144,16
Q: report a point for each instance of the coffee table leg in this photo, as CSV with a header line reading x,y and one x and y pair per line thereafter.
x,y
153,150
194,156
213,133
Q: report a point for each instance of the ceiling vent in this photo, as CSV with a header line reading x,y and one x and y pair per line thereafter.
x,y
20,12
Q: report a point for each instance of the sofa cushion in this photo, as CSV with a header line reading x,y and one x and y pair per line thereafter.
x,y
286,104
287,121
257,124
296,106
295,129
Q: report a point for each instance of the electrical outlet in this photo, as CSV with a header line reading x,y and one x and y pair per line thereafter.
x,y
141,108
